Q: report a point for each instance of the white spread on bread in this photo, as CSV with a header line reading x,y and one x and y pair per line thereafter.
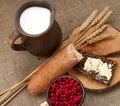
x,y
103,69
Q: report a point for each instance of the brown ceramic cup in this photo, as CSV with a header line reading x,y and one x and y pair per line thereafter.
x,y
43,44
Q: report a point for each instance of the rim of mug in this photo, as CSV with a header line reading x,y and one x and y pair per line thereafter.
x,y
38,3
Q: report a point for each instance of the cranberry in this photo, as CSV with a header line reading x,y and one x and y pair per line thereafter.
x,y
65,91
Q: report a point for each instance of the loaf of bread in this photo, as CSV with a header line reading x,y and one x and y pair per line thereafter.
x,y
57,65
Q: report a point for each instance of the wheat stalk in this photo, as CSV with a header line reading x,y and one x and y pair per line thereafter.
x,y
85,24
66,42
100,16
95,21
96,40
88,21
75,36
104,20
92,35
99,38
18,91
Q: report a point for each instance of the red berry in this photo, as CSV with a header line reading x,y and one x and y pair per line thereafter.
x,y
65,92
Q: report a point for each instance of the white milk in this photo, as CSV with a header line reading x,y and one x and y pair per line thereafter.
x,y
35,20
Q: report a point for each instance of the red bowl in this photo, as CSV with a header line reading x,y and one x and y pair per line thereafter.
x,y
65,90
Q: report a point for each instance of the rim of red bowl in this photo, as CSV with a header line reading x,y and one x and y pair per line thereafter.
x,y
62,76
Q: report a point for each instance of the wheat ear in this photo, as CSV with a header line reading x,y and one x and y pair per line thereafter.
x,y
95,40
85,24
74,37
94,34
104,20
99,38
88,21
95,21
100,16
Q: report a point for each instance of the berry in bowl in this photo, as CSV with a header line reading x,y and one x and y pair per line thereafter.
x,y
65,91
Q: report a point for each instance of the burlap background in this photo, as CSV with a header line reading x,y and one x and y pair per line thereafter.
x,y
16,65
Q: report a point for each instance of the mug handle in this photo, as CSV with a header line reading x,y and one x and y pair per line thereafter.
x,y
11,40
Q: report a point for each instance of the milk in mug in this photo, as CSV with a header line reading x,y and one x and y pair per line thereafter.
x,y
35,20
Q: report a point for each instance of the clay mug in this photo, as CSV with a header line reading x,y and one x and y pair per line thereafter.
x,y
38,44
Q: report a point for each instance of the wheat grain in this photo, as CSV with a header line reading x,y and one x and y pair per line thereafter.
x,y
99,38
83,27
94,34
87,22
94,40
74,37
100,16
103,20
95,21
